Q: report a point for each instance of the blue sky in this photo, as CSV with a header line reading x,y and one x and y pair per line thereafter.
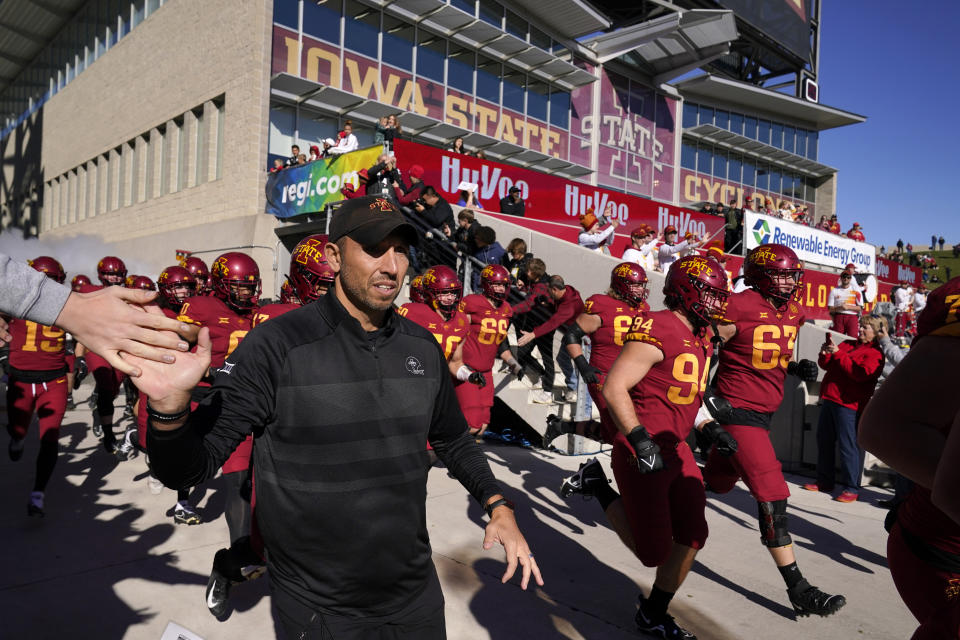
x,y
896,64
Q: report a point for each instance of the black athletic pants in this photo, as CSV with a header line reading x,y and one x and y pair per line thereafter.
x,y
422,619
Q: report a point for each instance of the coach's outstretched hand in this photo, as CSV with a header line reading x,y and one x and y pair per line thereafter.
x,y
503,529
168,385
111,320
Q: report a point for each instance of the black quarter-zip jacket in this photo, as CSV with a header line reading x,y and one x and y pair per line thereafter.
x,y
341,418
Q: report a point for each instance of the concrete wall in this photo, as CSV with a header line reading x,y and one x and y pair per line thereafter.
x,y
181,57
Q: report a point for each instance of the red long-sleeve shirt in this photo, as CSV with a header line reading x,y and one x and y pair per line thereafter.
x,y
565,310
852,373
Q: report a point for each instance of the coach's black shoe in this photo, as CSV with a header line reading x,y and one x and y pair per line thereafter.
x,y
586,481
218,587
15,449
660,625
807,599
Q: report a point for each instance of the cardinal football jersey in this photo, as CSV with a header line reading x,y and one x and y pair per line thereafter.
x,y
616,318
941,316
449,333
753,364
668,397
36,347
488,328
227,327
262,314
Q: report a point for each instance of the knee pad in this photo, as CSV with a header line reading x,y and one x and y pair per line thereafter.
x,y
773,523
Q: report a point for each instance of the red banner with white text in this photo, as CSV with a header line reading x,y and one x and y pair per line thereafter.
x,y
890,271
549,199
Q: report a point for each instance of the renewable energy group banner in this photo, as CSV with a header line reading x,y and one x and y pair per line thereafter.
x,y
810,245
310,187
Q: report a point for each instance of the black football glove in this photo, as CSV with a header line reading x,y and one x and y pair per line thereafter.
x,y
647,451
719,407
516,369
804,369
726,444
589,373
80,371
478,379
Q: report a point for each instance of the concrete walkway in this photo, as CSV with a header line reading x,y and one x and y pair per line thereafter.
x,y
108,562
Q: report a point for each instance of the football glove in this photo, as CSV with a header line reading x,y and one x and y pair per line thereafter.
x,y
646,450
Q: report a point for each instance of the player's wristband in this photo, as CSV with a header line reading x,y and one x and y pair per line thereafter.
x,y
463,373
156,416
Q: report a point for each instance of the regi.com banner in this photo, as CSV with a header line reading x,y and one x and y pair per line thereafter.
x,y
810,245
310,187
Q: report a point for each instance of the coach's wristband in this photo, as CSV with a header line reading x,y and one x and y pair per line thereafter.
x,y
166,417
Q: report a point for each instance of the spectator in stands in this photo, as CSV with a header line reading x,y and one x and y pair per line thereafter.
x,y
346,141
349,191
708,209
468,196
394,130
941,243
407,195
435,213
933,242
919,299
489,251
900,246
748,205
328,144
853,368
465,233
563,304
512,204
302,159
856,233
294,158
733,224
379,129
383,175
277,165
643,247
457,146
314,153
824,224
835,225
909,248
846,304
516,260
481,154
597,233
670,251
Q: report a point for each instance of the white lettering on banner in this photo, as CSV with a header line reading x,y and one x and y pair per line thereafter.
x,y
906,274
299,191
682,221
812,245
490,181
577,204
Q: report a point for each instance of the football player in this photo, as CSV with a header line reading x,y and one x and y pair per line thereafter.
x,y
198,268
111,272
141,282
653,391
922,441
489,316
286,292
75,377
79,281
37,384
176,285
228,315
416,289
759,330
606,318
439,313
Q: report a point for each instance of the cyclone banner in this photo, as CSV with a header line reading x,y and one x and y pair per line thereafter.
x,y
310,187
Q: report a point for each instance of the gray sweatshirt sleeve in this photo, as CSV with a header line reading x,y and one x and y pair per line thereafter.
x,y
29,294
891,352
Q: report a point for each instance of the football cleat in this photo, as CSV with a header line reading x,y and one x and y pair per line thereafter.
x,y
585,481
97,428
185,514
127,449
15,449
554,429
807,599
660,625
218,586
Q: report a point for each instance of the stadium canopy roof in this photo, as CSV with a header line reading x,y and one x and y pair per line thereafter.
x,y
671,45
568,18
450,22
757,150
26,28
753,98
294,90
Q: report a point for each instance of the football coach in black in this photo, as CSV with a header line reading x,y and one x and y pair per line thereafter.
x,y
342,396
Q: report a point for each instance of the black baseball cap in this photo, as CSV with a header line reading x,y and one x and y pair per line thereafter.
x,y
514,189
370,219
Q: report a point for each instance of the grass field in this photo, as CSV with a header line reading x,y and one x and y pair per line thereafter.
x,y
945,260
